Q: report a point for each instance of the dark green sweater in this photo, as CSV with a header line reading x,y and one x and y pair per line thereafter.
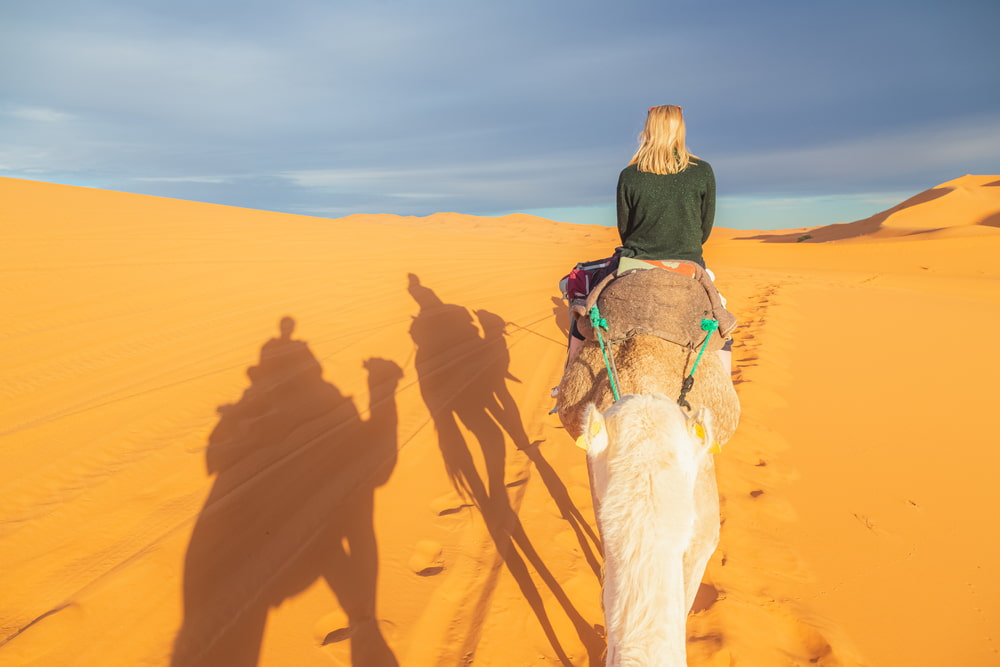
x,y
666,216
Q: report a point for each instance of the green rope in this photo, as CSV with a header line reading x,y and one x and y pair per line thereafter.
x,y
598,323
708,326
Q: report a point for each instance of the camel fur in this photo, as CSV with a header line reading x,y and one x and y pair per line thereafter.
x,y
646,364
658,514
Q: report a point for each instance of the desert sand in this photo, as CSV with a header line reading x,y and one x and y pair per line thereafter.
x,y
241,438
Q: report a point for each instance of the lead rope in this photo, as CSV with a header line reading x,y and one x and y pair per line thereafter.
x,y
708,326
598,323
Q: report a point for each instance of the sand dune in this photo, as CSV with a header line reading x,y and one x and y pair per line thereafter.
x,y
956,208
234,437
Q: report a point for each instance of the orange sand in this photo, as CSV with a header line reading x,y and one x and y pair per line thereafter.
x,y
302,523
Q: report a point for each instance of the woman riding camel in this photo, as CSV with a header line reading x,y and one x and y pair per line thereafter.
x,y
666,200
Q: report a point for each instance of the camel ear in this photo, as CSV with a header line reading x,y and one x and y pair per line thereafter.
x,y
595,433
700,427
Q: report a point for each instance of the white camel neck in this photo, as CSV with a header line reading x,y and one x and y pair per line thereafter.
x,y
654,622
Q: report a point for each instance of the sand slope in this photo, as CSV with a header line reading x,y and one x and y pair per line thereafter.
x,y
384,483
956,208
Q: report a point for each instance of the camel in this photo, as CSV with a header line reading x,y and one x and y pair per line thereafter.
x,y
648,454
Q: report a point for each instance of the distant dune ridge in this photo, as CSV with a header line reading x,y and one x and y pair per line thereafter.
x,y
947,210
235,437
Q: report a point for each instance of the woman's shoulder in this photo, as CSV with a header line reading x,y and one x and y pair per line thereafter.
x,y
628,176
700,163
700,171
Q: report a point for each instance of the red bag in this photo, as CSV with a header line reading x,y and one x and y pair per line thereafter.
x,y
578,282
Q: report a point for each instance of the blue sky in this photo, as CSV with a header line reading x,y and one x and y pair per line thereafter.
x,y
810,113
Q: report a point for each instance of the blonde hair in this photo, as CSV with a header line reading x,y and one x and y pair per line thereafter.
x,y
662,149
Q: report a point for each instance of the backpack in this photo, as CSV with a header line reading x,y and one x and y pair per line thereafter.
x,y
585,275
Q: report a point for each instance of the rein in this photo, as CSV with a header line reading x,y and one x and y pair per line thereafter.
x,y
598,323
708,326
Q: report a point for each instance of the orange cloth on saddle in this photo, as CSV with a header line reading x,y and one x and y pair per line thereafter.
x,y
668,300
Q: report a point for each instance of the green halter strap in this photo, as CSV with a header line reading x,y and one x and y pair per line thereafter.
x,y
708,326
599,323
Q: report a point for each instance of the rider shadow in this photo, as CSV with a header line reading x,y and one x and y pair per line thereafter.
x,y
293,501
462,377
496,372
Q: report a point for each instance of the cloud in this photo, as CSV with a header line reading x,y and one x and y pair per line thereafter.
x,y
38,114
478,186
26,160
181,179
925,154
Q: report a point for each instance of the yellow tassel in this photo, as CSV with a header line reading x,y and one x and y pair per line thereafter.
x,y
715,447
595,430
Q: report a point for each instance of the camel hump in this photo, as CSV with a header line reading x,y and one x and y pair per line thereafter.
x,y
668,304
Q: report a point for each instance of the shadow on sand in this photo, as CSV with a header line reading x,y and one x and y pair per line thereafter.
x,y
463,378
561,314
296,469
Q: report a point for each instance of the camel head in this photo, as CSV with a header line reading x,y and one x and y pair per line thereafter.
x,y
647,417
646,444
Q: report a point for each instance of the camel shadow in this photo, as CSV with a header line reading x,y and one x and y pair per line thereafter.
x,y
463,379
293,501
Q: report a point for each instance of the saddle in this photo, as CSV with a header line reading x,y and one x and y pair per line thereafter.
x,y
663,298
